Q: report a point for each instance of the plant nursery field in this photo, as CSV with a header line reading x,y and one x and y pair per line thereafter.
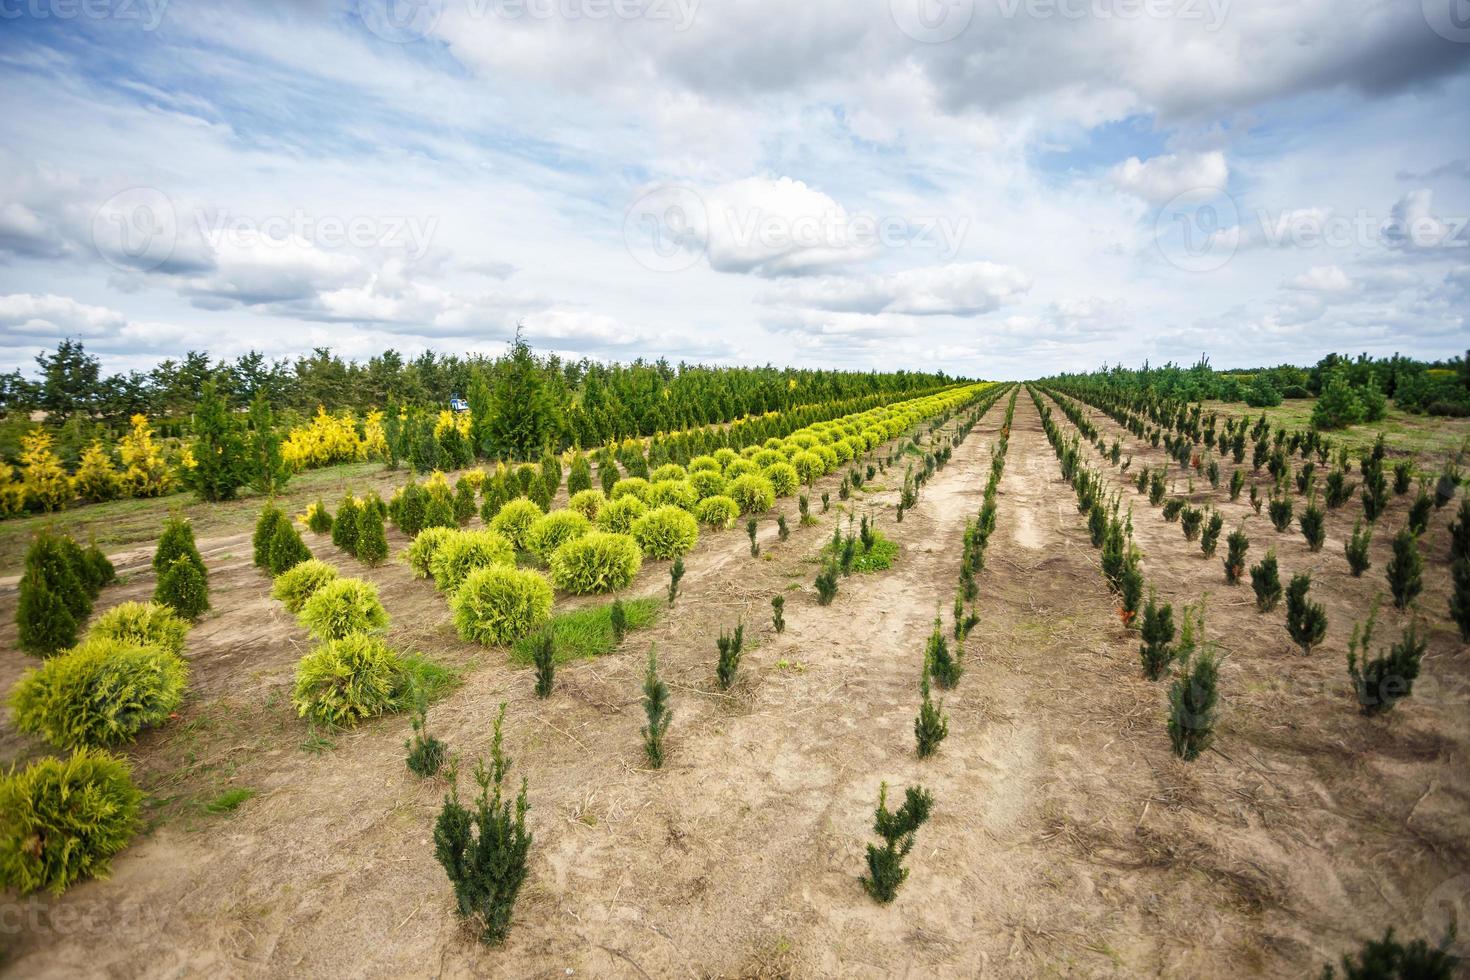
x,y
969,614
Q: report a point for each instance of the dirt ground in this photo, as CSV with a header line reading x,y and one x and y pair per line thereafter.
x,y
1066,841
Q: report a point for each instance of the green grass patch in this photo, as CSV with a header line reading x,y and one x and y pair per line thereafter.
x,y
588,632
229,800
876,559
434,679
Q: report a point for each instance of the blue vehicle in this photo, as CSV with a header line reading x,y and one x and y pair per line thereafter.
x,y
458,404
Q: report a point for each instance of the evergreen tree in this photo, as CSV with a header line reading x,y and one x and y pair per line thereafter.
x,y
219,450
265,533
372,540
943,666
931,725
543,654
426,754
183,587
484,849
44,622
1193,702
1157,650
1313,523
676,573
1405,569
464,502
1306,621
1389,959
482,408
287,550
898,829
730,646
524,417
1460,531
265,468
1381,682
177,541
1460,596
656,709
1237,544
778,611
344,528
580,476
618,620
1356,548
1266,582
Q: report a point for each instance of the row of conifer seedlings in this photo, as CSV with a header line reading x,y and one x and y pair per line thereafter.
x,y
897,828
1378,680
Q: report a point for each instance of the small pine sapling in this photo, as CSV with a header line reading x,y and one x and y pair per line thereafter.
x,y
1460,531
827,584
897,828
1420,510
1131,592
1460,596
426,754
1193,702
676,573
618,620
1266,582
484,848
1306,621
183,588
1382,681
782,531
778,613
1357,548
656,710
1236,544
265,531
1190,519
939,662
319,519
372,538
1157,632
543,654
730,646
1389,959
804,506
286,549
1405,569
751,526
1280,509
1313,523
1210,535
826,502
931,725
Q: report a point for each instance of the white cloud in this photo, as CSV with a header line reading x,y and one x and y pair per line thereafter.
x,y
955,290
1164,178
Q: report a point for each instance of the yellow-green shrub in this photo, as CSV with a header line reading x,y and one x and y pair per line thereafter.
x,y
346,680
666,532
342,607
62,820
464,552
618,515
717,511
500,604
753,492
587,502
420,553
596,562
634,486
706,483
295,585
100,692
680,493
668,471
514,520
784,478
737,468
142,624
705,464
555,529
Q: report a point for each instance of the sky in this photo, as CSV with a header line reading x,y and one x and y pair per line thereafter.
x,y
995,188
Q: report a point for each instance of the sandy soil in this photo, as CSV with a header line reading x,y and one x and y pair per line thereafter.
x,y
1067,840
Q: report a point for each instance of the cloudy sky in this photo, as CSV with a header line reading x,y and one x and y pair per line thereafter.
x,y
1000,188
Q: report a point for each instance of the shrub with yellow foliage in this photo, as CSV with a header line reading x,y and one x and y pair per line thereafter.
x,y
47,487
97,478
145,471
326,439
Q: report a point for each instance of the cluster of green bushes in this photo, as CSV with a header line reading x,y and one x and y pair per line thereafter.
x,y
59,585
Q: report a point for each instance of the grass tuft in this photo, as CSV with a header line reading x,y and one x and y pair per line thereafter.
x,y
587,632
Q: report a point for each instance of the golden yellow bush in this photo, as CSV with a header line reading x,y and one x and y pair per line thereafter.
x,y
96,477
145,471
47,487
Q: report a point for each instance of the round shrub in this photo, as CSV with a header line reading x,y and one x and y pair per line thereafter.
x,y
705,464
346,680
514,520
634,486
294,586
587,502
596,562
677,492
142,624
737,468
808,466
767,458
717,511
618,515
725,456
668,471
784,478
706,483
425,544
829,458
666,532
342,607
100,692
803,439
61,820
500,604
753,492
555,529
464,552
